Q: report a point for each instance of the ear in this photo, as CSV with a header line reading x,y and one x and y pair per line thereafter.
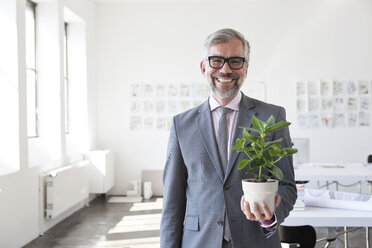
x,y
202,67
246,69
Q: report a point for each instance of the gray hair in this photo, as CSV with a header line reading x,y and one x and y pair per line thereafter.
x,y
224,35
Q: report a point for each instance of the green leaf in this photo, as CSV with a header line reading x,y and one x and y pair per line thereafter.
x,y
277,172
290,151
256,162
275,153
250,137
267,156
239,144
277,126
243,164
258,123
276,147
270,121
274,141
252,129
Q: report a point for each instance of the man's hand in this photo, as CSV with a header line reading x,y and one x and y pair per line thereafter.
x,y
256,215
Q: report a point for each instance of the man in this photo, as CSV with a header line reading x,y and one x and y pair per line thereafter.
x,y
203,204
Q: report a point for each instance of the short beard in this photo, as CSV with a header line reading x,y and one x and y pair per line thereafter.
x,y
231,93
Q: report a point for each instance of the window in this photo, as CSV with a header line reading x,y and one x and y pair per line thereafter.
x,y
66,82
9,89
32,113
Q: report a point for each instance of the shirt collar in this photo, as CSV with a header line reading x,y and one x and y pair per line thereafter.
x,y
234,104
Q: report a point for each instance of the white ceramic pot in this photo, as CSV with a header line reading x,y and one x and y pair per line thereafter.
x,y
260,192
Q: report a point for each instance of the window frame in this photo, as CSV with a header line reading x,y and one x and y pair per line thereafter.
x,y
66,80
31,5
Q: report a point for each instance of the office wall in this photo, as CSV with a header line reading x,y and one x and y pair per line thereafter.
x,y
291,40
19,198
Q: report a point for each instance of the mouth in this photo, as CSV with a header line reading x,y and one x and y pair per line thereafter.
x,y
224,82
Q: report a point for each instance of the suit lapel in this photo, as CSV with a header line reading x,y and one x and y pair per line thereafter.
x,y
245,116
206,130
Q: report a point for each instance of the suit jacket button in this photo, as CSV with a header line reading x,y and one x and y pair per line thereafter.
x,y
226,187
220,223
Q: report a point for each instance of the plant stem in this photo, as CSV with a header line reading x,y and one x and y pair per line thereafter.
x,y
246,153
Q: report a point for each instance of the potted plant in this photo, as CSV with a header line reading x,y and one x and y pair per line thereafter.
x,y
261,160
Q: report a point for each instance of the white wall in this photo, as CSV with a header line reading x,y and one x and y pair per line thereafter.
x,y
19,198
291,40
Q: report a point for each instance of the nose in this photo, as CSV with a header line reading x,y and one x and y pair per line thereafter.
x,y
226,68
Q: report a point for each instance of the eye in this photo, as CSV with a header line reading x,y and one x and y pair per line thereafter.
x,y
236,61
217,60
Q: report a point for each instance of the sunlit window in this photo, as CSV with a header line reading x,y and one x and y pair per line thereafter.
x,y
32,114
66,82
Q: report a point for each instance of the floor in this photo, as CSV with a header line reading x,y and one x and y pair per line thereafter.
x,y
131,225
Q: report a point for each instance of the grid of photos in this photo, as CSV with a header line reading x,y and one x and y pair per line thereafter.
x,y
328,104
153,105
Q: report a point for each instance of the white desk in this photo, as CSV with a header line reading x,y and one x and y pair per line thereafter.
x,y
329,217
327,171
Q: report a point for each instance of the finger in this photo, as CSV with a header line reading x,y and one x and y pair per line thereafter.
x,y
278,200
242,203
266,210
247,211
257,212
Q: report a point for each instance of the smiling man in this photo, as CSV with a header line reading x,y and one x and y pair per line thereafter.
x,y
203,204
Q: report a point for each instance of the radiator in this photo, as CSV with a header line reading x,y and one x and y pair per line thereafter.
x,y
65,187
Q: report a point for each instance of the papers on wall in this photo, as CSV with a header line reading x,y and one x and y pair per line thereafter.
x,y
329,104
153,105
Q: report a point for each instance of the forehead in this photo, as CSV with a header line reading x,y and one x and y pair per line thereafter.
x,y
230,48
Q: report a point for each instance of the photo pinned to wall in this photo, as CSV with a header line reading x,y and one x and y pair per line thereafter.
x,y
160,91
339,120
363,87
148,122
364,119
301,105
328,104
302,120
148,107
184,90
136,106
338,88
314,104
352,119
327,120
326,88
301,88
314,120
172,90
136,90
135,122
313,88
351,88
161,123
148,90
339,104
172,107
364,103
160,107
153,105
352,104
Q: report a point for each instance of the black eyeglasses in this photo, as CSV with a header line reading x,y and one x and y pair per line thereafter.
x,y
217,62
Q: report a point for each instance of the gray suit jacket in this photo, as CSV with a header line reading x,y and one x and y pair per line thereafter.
x,y
197,195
